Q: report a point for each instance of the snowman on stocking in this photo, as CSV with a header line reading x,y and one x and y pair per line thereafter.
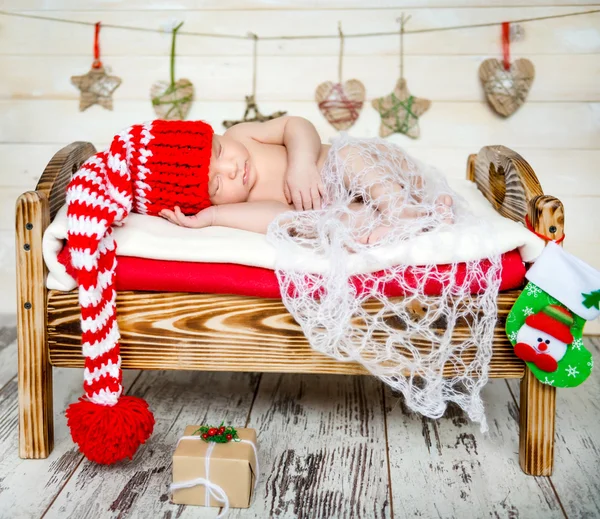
x,y
545,325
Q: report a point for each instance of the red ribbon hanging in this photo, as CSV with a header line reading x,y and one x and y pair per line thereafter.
x,y
97,63
506,44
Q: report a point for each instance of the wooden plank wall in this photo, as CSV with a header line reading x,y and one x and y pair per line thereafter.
x,y
557,130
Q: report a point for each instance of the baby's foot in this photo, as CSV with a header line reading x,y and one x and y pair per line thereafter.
x,y
443,207
376,235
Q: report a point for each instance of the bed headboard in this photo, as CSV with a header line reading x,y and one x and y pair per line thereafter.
x,y
58,173
508,181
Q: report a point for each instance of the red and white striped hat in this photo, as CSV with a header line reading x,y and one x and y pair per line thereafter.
x,y
148,167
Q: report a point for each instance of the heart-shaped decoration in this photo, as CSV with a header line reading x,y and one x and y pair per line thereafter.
x,y
172,101
341,103
506,90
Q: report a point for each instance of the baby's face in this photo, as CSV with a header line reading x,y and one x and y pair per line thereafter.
x,y
229,177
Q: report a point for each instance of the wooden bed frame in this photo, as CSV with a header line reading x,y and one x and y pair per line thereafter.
x,y
236,333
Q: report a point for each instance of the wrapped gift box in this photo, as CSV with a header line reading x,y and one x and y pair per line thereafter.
x,y
232,466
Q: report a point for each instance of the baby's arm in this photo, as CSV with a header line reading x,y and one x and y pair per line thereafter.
x,y
302,185
248,216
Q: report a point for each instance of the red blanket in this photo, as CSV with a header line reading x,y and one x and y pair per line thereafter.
x,y
226,278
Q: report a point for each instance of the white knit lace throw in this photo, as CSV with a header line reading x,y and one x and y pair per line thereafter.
x,y
406,342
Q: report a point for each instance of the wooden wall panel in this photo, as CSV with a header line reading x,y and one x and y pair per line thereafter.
x,y
225,78
447,124
575,35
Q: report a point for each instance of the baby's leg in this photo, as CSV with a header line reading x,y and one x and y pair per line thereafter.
x,y
396,194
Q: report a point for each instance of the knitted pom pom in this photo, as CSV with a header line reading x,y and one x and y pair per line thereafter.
x,y
107,434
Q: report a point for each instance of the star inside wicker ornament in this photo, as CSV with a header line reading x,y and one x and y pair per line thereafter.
x,y
252,113
257,116
96,87
400,111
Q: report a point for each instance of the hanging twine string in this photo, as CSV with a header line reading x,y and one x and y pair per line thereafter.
x,y
97,63
340,108
341,58
402,20
303,37
254,63
506,44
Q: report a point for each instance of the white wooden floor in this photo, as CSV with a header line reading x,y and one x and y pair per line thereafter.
x,y
330,447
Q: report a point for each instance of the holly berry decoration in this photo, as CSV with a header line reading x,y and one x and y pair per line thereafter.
x,y
219,434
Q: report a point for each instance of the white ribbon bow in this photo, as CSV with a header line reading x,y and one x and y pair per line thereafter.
x,y
213,489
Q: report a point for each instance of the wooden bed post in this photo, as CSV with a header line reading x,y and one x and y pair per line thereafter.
x,y
537,400
36,419
34,211
510,184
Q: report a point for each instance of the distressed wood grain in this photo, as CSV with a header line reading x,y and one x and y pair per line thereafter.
x,y
8,354
7,335
323,448
139,488
36,426
57,174
162,330
538,401
448,468
27,487
576,477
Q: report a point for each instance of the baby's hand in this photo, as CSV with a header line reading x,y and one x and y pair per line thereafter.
x,y
303,187
204,218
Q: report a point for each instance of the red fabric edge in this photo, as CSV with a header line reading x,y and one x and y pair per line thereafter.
x,y
226,278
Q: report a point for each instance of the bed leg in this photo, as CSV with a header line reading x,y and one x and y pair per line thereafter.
x,y
537,413
36,420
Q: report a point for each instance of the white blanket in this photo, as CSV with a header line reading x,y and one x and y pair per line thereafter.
x,y
155,238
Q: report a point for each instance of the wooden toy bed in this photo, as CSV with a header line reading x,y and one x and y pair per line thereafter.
x,y
238,333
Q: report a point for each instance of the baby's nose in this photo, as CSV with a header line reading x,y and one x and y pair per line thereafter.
x,y
231,171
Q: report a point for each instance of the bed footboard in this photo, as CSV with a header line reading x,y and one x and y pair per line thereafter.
x,y
510,184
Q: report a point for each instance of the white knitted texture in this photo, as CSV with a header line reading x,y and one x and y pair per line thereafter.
x,y
408,342
141,188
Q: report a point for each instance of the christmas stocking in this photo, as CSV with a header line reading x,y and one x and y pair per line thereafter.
x,y
545,325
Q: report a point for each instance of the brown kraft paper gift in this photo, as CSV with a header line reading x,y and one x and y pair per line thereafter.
x,y
232,466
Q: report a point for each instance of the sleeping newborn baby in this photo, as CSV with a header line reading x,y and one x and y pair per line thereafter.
x,y
258,171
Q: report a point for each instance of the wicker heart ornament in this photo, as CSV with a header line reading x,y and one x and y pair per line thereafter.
x,y
341,103
172,101
506,89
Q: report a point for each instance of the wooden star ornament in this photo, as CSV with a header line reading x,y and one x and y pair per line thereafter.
x,y
96,87
400,111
